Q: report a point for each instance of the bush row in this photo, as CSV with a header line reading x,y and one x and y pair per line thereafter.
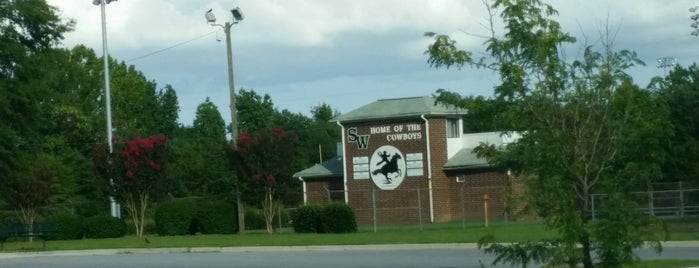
x,y
331,218
185,216
71,227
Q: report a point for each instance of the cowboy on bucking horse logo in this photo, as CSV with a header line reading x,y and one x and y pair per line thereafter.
x,y
389,165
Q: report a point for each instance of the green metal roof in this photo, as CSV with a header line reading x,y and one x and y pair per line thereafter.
x,y
398,108
465,159
329,168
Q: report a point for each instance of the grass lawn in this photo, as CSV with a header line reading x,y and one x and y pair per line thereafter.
x,y
668,263
456,232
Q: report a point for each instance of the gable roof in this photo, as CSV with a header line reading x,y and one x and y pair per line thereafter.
x,y
329,168
398,108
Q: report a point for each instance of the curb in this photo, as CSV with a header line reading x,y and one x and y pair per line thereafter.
x,y
97,252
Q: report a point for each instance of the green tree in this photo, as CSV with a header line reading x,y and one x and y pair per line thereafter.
x,y
680,89
323,132
27,29
29,189
255,112
167,113
584,127
198,155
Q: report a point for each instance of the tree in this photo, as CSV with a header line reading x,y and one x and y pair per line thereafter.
x,y
323,132
133,173
266,160
167,113
255,112
584,127
198,155
27,29
29,189
680,89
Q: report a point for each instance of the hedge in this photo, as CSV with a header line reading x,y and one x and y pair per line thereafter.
x,y
332,218
216,217
338,218
104,227
70,226
176,217
306,219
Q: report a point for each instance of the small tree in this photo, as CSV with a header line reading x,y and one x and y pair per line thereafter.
x,y
29,189
585,129
133,173
265,158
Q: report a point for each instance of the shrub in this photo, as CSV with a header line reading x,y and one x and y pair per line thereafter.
x,y
306,219
70,226
254,219
104,227
338,218
216,217
176,217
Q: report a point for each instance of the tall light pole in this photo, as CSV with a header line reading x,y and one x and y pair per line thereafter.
x,y
695,18
237,17
115,209
666,62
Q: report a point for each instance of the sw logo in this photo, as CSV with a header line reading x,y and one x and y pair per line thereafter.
x,y
362,141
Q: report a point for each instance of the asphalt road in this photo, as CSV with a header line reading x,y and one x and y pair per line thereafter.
x,y
423,256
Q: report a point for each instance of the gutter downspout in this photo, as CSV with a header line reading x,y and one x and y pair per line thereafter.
x,y
344,163
305,194
429,165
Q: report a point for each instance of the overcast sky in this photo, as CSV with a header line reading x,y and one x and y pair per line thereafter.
x,y
346,53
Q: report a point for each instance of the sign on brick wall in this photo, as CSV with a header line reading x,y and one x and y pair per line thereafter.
x,y
388,167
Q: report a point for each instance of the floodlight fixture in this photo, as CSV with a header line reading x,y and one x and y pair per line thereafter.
x,y
99,2
210,17
237,14
695,24
666,62
695,17
695,33
693,9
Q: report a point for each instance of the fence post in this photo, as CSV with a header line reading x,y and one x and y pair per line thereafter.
x,y
373,206
279,215
592,203
651,210
681,200
419,208
463,209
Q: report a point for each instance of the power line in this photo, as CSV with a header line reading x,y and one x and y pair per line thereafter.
x,y
171,47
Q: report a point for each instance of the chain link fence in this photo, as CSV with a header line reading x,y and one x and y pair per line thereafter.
x,y
668,200
420,206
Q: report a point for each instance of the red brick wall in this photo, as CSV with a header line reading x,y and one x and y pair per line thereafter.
x,y
409,202
403,201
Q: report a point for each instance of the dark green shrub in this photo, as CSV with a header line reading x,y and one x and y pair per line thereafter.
x,y
104,227
176,217
70,226
338,218
254,219
306,219
216,217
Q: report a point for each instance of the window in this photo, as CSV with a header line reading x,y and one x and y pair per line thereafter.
x,y
460,178
453,128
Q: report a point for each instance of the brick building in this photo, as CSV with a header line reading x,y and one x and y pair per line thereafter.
x,y
406,161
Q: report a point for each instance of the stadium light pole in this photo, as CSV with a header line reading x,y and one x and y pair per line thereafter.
x,y
115,209
695,18
666,62
211,20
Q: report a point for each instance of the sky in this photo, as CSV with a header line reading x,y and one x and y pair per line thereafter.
x,y
348,53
